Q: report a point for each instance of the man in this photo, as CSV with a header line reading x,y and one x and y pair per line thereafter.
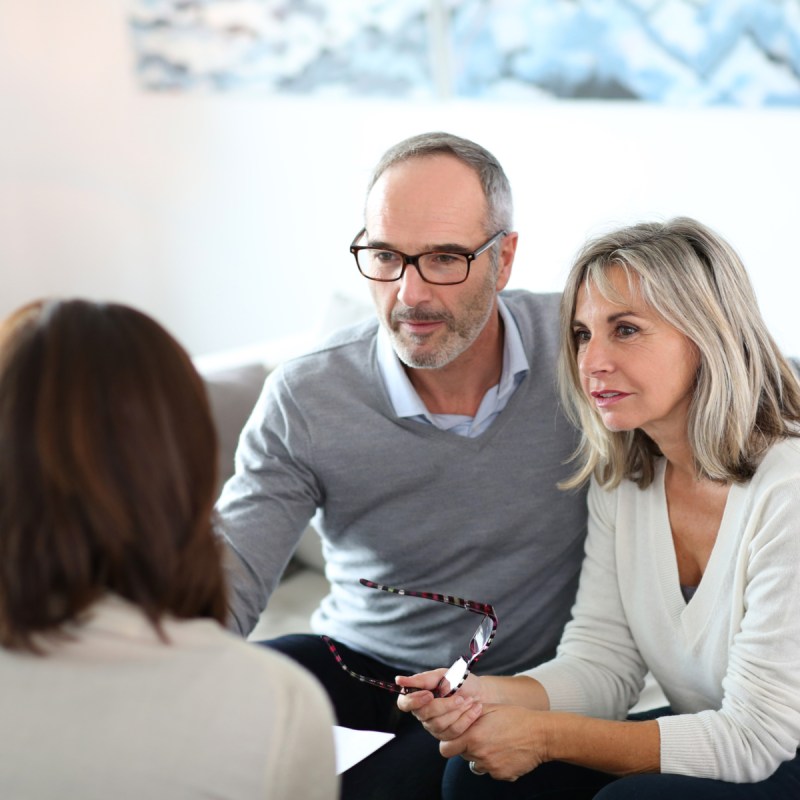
x,y
431,440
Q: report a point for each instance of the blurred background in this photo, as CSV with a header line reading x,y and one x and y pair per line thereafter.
x,y
205,160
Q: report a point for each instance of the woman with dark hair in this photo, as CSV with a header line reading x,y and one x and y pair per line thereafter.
x,y
689,415
118,677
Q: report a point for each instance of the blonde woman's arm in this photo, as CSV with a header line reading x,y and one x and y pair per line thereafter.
x,y
510,741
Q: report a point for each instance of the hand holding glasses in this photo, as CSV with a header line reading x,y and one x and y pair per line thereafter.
x,y
457,674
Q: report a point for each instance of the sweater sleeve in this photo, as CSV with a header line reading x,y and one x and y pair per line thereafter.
x,y
758,724
598,670
267,503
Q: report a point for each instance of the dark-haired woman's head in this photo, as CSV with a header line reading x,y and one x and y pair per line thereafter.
x,y
107,470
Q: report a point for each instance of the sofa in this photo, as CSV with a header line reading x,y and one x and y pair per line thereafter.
x,y
234,380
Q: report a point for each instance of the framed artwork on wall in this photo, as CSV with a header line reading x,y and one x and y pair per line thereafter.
x,y
676,52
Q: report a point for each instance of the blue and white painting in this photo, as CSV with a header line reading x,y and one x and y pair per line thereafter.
x,y
679,52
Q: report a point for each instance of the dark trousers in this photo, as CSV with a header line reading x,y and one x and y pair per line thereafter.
x,y
409,767
558,781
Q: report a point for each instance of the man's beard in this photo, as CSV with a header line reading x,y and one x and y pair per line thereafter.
x,y
460,333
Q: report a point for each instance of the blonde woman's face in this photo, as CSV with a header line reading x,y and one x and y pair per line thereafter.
x,y
636,369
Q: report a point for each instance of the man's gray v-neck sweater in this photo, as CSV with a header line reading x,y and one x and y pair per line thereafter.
x,y
406,504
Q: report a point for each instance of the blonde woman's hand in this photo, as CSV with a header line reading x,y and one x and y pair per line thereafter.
x,y
506,742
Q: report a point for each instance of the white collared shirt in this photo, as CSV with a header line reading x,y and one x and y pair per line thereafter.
x,y
408,404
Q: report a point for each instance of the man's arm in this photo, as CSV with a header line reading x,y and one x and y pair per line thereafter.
x,y
267,503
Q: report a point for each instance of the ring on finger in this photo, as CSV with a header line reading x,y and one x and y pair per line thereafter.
x,y
474,770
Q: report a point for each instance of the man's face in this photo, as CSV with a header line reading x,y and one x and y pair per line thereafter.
x,y
422,205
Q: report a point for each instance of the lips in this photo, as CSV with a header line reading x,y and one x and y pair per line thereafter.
x,y
418,322
416,319
420,326
608,397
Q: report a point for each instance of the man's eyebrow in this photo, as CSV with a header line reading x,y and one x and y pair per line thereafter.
x,y
380,244
433,248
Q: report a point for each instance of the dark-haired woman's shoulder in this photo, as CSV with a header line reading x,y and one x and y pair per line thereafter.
x,y
199,714
277,714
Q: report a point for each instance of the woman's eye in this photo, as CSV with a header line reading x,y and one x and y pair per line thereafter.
x,y
626,330
581,336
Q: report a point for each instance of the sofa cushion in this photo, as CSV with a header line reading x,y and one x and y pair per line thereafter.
x,y
232,393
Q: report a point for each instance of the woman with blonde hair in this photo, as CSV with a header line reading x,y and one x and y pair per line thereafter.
x,y
118,677
690,416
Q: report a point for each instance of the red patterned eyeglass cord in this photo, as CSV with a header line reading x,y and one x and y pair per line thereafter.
x,y
457,674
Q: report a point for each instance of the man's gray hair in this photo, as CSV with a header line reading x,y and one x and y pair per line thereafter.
x,y
496,188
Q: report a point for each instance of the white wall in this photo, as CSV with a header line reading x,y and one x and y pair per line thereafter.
x,y
228,217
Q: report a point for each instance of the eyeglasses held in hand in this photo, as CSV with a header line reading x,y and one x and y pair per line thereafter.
x,y
457,674
444,268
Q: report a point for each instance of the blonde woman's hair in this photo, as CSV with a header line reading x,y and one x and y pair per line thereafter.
x,y
746,395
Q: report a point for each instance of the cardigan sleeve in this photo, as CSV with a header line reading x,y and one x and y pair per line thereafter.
x,y
758,723
598,670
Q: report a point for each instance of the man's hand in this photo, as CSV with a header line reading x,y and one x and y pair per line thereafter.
x,y
445,718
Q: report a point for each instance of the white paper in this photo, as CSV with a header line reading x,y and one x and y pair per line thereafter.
x,y
353,746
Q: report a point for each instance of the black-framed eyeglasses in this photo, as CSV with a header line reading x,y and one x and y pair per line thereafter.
x,y
440,267
457,674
